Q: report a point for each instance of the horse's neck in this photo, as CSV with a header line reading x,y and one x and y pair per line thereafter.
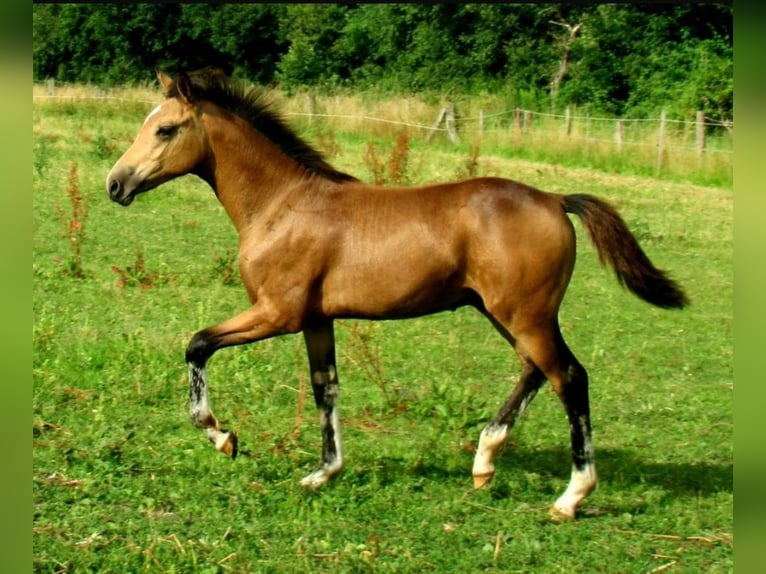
x,y
247,172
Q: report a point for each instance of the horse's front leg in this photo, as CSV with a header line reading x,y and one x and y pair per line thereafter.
x,y
202,416
258,322
320,344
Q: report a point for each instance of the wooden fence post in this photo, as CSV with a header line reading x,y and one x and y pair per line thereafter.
x,y
312,105
700,133
568,121
447,114
451,132
619,134
481,123
517,125
435,127
661,142
527,120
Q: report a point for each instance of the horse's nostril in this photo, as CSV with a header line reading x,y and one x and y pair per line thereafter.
x,y
114,187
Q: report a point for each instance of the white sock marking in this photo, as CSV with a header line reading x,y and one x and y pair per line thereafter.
x,y
582,482
491,438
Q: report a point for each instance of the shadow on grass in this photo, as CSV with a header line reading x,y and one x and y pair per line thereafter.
x,y
618,470
623,469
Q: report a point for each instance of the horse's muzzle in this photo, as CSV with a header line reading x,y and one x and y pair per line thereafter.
x,y
118,186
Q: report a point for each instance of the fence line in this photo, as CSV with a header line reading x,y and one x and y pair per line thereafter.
x,y
82,97
522,123
366,118
527,114
478,119
723,124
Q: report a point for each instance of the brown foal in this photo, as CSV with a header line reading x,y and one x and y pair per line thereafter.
x,y
316,244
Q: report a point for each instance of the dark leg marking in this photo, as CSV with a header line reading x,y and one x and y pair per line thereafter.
x,y
574,395
320,344
497,431
199,403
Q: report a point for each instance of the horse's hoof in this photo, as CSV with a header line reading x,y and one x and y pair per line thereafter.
x,y
480,480
561,514
227,444
321,476
315,480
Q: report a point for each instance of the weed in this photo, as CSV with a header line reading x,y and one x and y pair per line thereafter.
x,y
42,154
225,267
137,275
103,147
74,225
374,164
364,351
291,438
397,163
328,144
471,166
395,170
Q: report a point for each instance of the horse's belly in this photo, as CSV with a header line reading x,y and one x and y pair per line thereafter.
x,y
406,289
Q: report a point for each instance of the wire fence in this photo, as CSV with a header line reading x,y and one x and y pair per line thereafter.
x,y
661,143
660,136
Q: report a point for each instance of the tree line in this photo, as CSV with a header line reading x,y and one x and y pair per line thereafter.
x,y
621,59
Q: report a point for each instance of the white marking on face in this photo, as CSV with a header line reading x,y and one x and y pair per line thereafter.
x,y
154,111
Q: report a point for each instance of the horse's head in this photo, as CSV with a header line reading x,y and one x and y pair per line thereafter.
x,y
171,143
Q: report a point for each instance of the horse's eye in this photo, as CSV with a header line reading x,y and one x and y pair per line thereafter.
x,y
166,132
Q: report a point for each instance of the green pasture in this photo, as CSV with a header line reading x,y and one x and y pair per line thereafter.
x,y
122,482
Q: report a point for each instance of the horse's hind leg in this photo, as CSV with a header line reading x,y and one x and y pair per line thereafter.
x,y
571,385
320,344
545,355
570,382
495,433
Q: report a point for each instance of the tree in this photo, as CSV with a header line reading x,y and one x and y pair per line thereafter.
x,y
312,31
614,58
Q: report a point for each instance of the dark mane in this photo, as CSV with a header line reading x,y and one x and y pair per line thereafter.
x,y
213,85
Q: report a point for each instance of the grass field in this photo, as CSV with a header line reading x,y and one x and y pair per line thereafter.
x,y
122,482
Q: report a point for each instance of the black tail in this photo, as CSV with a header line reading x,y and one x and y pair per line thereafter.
x,y
618,248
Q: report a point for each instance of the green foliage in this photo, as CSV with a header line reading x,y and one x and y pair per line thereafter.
x,y
117,43
624,59
42,154
313,31
637,60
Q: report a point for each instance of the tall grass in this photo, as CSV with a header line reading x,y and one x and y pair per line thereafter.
x,y
590,141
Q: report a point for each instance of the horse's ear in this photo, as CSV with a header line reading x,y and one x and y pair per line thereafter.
x,y
164,80
184,87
